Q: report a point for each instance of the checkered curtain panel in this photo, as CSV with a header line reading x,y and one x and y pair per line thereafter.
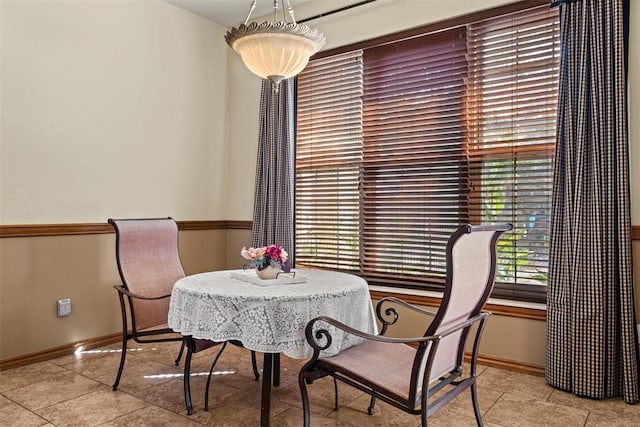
x,y
273,200
591,325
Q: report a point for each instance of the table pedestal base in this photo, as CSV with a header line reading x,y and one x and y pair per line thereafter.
x,y
270,375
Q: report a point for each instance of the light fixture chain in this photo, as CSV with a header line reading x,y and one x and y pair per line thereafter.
x,y
290,10
275,10
253,6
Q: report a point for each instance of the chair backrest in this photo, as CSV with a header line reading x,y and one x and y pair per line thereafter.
x,y
471,270
149,265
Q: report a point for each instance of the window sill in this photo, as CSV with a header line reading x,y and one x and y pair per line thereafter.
x,y
502,307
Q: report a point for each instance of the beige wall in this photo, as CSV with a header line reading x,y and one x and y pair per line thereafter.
x,y
37,271
236,240
242,138
109,108
109,103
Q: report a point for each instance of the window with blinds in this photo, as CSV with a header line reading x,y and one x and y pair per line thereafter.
x,y
400,143
511,101
414,182
329,163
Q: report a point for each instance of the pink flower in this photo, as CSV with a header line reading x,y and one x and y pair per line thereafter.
x,y
262,257
247,253
273,252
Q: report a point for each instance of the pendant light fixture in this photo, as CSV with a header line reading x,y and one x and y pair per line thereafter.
x,y
275,50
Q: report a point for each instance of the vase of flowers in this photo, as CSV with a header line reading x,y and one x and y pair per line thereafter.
x,y
268,261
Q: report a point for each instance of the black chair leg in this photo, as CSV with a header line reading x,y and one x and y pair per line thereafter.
x,y
476,406
305,400
187,380
123,355
254,364
125,338
372,403
213,365
180,353
335,388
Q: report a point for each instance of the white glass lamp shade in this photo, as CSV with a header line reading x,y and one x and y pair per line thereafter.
x,y
275,56
275,51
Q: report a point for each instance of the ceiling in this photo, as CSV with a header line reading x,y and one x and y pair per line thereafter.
x,y
228,12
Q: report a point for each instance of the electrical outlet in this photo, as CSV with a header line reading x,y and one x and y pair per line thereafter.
x,y
64,307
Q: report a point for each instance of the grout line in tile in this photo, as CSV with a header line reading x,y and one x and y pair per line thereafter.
x,y
493,404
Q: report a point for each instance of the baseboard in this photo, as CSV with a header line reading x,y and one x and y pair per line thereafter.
x,y
53,353
510,365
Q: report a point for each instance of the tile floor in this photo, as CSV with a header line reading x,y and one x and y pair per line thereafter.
x,y
76,391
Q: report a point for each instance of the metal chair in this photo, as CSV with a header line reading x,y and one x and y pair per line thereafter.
x,y
408,372
149,265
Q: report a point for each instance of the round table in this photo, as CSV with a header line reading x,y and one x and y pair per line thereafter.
x,y
270,316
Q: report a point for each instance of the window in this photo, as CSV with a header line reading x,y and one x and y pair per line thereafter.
x,y
398,144
512,97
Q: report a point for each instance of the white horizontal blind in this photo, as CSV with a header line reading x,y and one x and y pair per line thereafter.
x,y
512,100
415,176
329,162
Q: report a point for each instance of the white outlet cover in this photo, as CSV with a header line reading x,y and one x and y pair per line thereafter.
x,y
64,307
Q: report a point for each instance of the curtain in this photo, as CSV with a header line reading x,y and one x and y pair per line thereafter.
x,y
274,190
592,344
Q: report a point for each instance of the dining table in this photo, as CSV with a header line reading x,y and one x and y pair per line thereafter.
x,y
270,316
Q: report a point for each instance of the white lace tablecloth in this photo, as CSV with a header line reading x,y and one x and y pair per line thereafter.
x,y
272,318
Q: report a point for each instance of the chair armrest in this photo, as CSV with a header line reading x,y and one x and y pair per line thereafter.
x,y
391,315
406,305
121,289
323,334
